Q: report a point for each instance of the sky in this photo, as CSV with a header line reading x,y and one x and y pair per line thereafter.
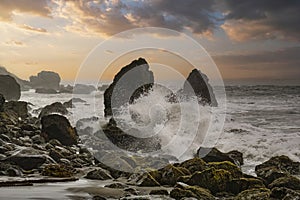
x,y
251,42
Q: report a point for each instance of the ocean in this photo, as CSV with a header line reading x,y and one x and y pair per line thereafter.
x,y
260,121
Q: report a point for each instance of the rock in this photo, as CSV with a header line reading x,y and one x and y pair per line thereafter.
x,y
45,91
9,88
149,179
18,107
284,193
236,186
116,185
58,170
58,127
69,104
37,139
214,155
197,84
66,89
255,193
23,84
290,182
228,166
126,81
129,142
213,179
194,165
269,174
83,89
27,162
159,192
170,174
98,198
45,79
281,163
98,174
191,191
56,107
2,101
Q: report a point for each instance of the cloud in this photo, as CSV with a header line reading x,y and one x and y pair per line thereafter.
x,y
35,7
35,29
288,56
256,19
111,17
14,43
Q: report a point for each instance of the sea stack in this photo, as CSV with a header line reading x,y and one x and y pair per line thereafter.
x,y
197,84
127,85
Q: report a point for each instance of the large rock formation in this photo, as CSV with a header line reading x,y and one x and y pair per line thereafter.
x,y
59,128
56,107
197,84
45,79
134,76
24,84
9,88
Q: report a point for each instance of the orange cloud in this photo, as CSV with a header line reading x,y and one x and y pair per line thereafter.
x,y
35,7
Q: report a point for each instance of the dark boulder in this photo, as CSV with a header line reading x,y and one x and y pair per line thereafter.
x,y
254,193
290,182
193,192
27,162
18,107
45,79
98,174
282,163
45,91
134,76
127,141
58,127
197,84
214,155
9,88
2,101
56,107
284,193
83,89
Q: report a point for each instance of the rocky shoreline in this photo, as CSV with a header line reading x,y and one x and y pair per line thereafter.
x,y
47,149
32,151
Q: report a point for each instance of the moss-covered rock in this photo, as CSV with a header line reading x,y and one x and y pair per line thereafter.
x,y
290,182
170,174
285,193
236,186
194,165
58,170
282,163
228,166
149,179
254,194
213,179
98,174
191,191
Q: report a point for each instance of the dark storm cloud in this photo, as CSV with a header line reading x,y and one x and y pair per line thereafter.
x,y
262,19
110,17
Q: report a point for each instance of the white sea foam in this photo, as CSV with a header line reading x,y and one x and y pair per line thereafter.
x,y
259,124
